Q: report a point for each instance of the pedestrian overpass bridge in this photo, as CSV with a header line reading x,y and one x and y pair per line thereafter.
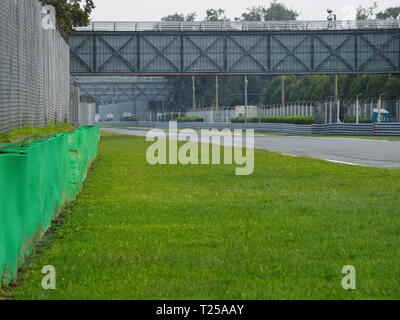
x,y
236,48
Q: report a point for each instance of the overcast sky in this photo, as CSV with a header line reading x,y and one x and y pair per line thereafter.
x,y
154,10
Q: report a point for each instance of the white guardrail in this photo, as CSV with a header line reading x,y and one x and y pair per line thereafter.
x,y
242,25
349,129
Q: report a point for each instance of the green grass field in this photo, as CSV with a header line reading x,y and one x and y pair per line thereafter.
x,y
200,232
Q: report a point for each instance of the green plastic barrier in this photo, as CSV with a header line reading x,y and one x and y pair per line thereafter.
x,y
36,181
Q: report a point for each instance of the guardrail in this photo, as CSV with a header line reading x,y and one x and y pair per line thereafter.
x,y
260,127
344,129
387,129
196,26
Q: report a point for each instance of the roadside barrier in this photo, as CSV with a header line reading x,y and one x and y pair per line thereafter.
x,y
36,181
387,129
345,129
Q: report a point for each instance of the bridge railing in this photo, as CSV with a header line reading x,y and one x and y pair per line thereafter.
x,y
119,79
242,25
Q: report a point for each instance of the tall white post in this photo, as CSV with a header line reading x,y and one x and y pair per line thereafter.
x,y
372,108
194,93
246,84
357,111
380,108
338,112
216,93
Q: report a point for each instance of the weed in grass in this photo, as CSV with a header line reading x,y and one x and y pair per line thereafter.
x,y
29,131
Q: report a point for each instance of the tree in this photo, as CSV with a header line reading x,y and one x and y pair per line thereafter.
x,y
392,88
191,16
366,13
252,14
216,15
72,13
174,17
278,11
389,13
180,17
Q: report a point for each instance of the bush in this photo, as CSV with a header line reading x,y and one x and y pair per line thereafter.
x,y
131,119
190,119
242,120
289,119
253,120
238,120
352,119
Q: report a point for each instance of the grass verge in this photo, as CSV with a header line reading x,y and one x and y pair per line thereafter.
x,y
29,132
200,232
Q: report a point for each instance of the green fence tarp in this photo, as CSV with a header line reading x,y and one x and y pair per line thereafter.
x,y
36,181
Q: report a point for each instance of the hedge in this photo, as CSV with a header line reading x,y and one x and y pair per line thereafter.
x,y
242,120
352,119
131,119
289,119
190,119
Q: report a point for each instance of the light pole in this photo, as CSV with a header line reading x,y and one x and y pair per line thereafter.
x,y
380,107
332,23
398,110
216,93
338,110
357,108
326,111
194,93
246,85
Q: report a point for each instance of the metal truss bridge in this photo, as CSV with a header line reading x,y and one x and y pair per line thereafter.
x,y
235,48
123,89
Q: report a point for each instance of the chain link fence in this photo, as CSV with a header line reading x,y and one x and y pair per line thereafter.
x,y
34,68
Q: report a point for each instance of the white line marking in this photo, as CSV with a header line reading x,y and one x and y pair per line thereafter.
x,y
289,155
343,162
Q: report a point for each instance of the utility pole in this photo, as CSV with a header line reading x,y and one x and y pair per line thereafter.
x,y
380,107
337,98
358,108
216,93
283,91
194,93
246,85
332,19
336,87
